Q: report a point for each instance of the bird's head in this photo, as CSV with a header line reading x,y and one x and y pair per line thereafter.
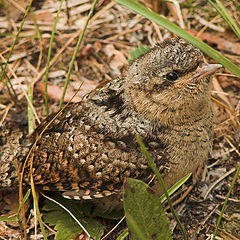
x,y
170,83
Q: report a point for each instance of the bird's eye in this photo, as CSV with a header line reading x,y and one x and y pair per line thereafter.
x,y
172,76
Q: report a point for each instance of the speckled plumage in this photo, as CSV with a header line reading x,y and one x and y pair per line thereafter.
x,y
90,148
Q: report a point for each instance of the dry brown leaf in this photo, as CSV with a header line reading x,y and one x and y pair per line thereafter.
x,y
117,59
16,8
11,207
45,16
222,44
55,92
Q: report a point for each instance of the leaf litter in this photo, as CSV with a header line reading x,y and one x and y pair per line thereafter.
x,y
112,33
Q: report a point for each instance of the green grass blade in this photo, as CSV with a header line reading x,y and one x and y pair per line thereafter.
x,y
225,202
174,188
15,40
25,198
123,235
15,219
226,16
236,4
4,6
30,112
35,202
10,219
76,51
232,24
39,34
149,14
49,56
161,182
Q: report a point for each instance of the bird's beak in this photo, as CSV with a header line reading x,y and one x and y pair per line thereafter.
x,y
205,70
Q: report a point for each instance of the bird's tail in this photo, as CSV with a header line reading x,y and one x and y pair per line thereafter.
x,y
13,146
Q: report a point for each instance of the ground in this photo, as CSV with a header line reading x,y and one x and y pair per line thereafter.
x,y
111,34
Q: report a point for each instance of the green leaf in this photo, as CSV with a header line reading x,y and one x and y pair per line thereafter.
x,y
66,227
145,216
137,52
149,14
113,214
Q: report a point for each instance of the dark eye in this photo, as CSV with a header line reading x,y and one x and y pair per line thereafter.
x,y
172,76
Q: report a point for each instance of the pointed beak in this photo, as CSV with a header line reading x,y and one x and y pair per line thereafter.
x,y
206,70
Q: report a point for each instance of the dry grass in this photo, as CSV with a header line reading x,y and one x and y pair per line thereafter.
x,y
112,33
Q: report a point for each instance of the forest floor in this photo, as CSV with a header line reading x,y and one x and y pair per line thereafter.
x,y
112,33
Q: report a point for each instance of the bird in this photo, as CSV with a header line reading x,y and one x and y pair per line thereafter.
x,y
87,149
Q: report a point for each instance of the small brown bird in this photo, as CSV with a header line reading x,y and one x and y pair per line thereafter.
x,y
90,148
